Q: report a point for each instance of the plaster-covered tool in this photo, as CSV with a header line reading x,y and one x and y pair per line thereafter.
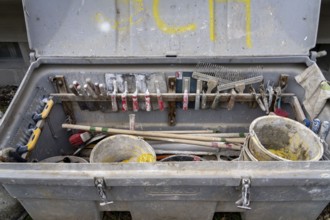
x,y
159,97
124,98
198,94
147,101
264,99
135,101
114,104
257,98
185,101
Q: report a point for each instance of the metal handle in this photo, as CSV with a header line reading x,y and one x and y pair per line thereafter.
x,y
100,185
244,201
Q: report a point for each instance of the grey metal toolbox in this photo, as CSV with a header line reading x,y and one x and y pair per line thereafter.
x,y
75,40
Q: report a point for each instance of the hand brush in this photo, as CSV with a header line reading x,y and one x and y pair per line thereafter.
x,y
78,139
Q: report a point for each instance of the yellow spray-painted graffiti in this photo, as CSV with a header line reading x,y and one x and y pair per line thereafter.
x,y
247,19
165,27
212,20
139,14
124,23
248,23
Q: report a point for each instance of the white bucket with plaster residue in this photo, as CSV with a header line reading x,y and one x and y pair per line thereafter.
x,y
274,138
122,148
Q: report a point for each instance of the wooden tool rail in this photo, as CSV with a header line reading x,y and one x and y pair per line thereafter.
x,y
224,97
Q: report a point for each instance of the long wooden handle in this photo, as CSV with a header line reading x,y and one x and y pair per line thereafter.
x,y
200,143
152,134
187,131
207,133
300,115
224,135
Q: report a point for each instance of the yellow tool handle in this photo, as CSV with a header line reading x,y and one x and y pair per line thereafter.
x,y
33,139
47,109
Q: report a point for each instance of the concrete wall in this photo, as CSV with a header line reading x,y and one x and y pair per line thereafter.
x,y
12,29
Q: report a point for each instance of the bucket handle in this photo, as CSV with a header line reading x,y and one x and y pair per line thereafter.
x,y
245,144
253,136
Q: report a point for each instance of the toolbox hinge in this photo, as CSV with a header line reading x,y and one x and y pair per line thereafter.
x,y
32,57
244,201
100,185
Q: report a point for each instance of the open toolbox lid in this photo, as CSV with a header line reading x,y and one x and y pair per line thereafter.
x,y
159,28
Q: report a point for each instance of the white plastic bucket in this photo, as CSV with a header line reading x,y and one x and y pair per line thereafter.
x,y
122,148
274,138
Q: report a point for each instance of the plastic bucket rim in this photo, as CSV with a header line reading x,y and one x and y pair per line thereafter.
x,y
248,152
91,157
267,152
176,155
49,159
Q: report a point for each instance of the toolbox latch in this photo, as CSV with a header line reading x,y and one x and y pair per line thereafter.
x,y
244,201
100,185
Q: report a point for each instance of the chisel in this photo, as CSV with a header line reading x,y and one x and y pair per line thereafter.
x,y
171,105
135,100
147,101
211,84
82,93
82,105
198,94
104,105
124,98
185,101
114,104
159,97
97,89
90,92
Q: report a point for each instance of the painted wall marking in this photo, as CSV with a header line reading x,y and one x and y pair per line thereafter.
x,y
165,27
139,14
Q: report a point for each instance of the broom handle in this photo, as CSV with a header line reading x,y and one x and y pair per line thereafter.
x,y
209,138
200,143
150,134
187,131
224,135
207,133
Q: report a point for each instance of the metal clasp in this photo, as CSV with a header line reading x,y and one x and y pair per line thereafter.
x,y
100,185
244,201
